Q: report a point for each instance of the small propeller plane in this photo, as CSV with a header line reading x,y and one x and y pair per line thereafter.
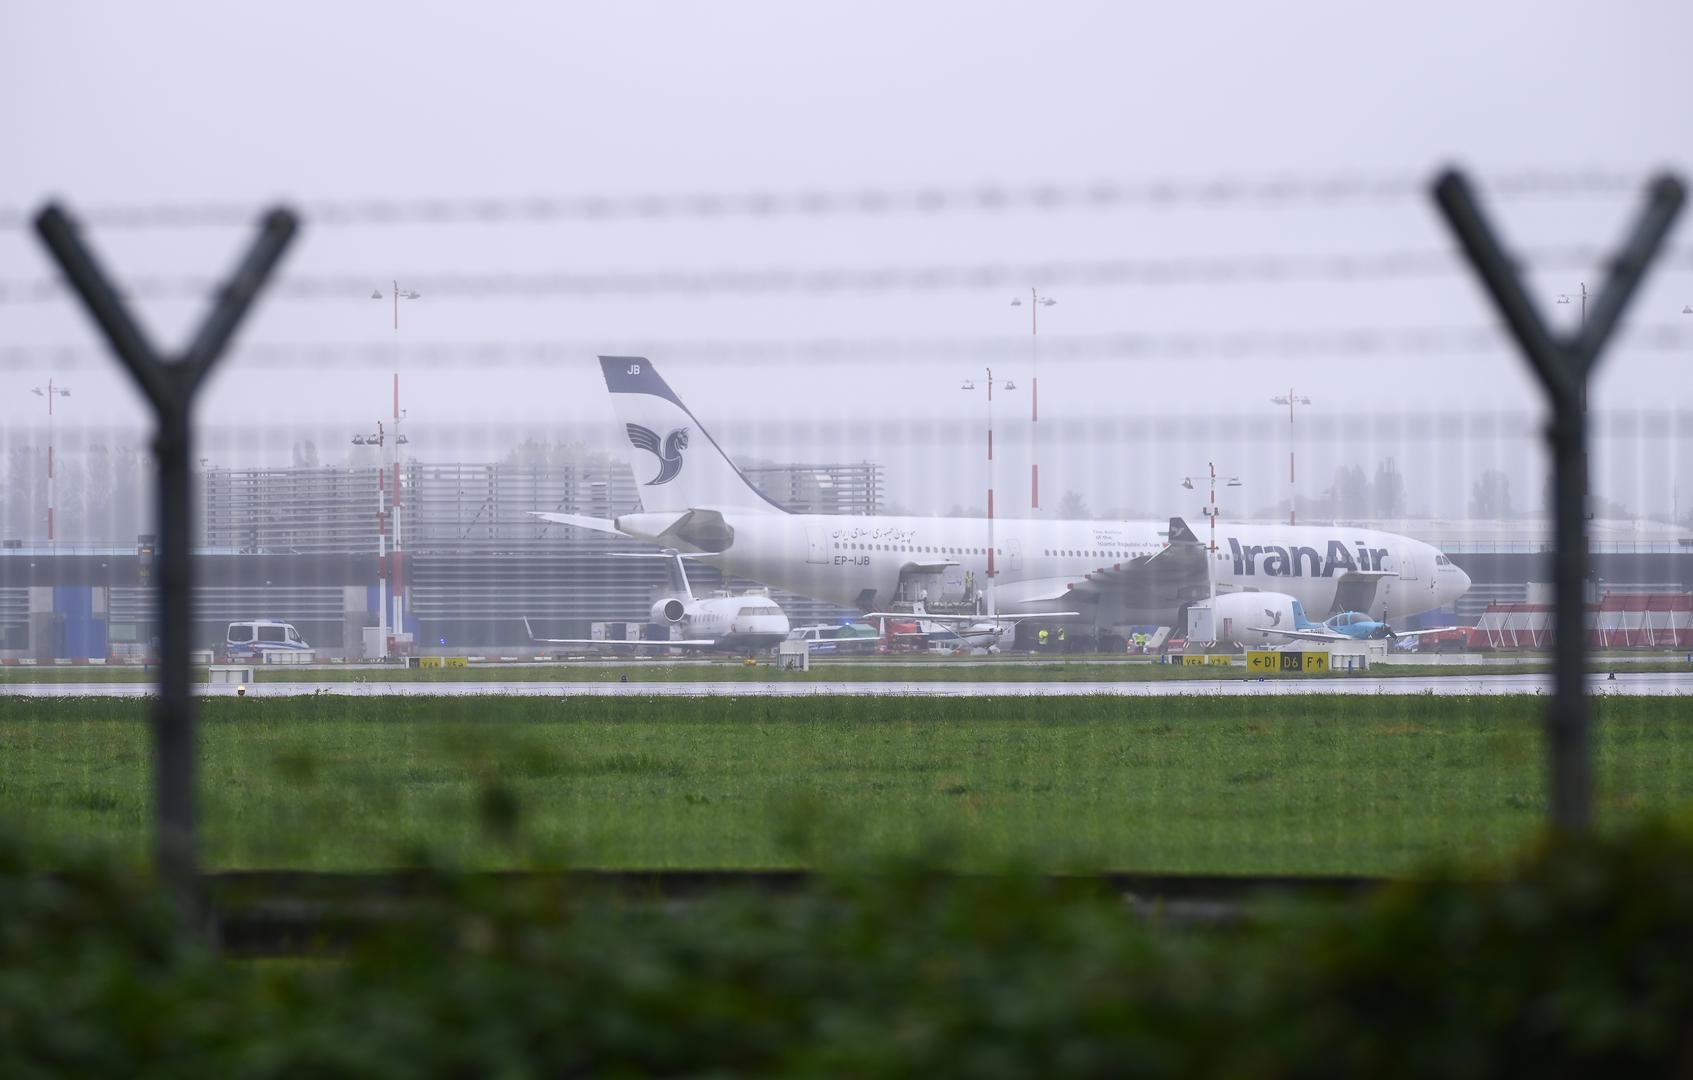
x,y
1346,626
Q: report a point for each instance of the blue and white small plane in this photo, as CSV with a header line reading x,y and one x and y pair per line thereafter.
x,y
1346,626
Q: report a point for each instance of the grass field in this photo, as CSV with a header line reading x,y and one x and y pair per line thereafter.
x,y
1366,785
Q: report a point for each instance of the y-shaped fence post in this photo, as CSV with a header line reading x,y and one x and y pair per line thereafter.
x,y
170,386
1564,364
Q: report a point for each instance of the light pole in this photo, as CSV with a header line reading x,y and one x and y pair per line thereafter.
x,y
395,571
1564,298
1036,302
1290,399
386,565
51,391
1675,512
1211,512
1586,479
993,566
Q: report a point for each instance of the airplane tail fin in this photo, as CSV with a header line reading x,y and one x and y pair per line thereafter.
x,y
1300,622
678,466
1180,533
677,568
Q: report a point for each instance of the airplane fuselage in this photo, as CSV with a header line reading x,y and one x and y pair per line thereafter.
x,y
860,561
1107,574
737,623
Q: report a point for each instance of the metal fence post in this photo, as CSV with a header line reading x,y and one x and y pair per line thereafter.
x,y
170,386
1563,364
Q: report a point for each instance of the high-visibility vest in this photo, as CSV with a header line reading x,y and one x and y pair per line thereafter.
x,y
1043,637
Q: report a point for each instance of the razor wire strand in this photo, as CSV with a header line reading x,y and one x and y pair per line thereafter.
x,y
1224,190
1242,345
1334,268
1434,427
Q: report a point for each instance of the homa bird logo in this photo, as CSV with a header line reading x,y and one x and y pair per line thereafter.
x,y
669,455
1274,615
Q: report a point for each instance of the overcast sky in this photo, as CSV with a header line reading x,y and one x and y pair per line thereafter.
x,y
312,102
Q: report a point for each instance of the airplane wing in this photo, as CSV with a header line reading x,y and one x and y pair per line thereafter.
x,y
1322,635
910,616
1176,574
1356,590
580,521
1302,635
697,643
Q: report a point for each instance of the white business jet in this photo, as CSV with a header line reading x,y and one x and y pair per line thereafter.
x,y
739,623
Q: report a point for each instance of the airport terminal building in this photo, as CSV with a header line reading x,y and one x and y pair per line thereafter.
x,y
300,544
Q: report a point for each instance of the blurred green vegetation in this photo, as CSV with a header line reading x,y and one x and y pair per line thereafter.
x,y
1572,963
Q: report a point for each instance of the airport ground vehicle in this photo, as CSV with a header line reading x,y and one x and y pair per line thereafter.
x,y
252,639
846,639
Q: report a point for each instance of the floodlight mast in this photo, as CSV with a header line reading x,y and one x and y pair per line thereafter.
x,y
1036,302
1586,477
993,565
1210,512
393,566
52,391
1290,399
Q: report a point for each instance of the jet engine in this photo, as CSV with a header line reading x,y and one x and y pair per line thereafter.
x,y
668,611
1237,614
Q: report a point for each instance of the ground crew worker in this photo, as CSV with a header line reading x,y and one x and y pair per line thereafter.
x,y
1043,638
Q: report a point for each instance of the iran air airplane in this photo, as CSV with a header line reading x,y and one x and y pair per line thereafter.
x,y
1091,574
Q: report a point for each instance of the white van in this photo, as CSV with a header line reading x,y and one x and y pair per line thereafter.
x,y
255,638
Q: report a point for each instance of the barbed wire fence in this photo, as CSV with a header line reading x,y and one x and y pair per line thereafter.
x,y
1204,194
1210,193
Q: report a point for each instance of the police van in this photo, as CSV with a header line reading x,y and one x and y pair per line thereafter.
x,y
261,639
832,638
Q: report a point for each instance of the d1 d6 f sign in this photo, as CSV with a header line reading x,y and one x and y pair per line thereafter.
x,y
1272,662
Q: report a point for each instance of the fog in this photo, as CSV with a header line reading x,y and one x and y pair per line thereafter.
x,y
1226,203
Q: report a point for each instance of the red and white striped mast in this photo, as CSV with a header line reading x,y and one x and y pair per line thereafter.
x,y
993,570
53,390
1036,302
993,559
395,573
1211,511
1290,400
